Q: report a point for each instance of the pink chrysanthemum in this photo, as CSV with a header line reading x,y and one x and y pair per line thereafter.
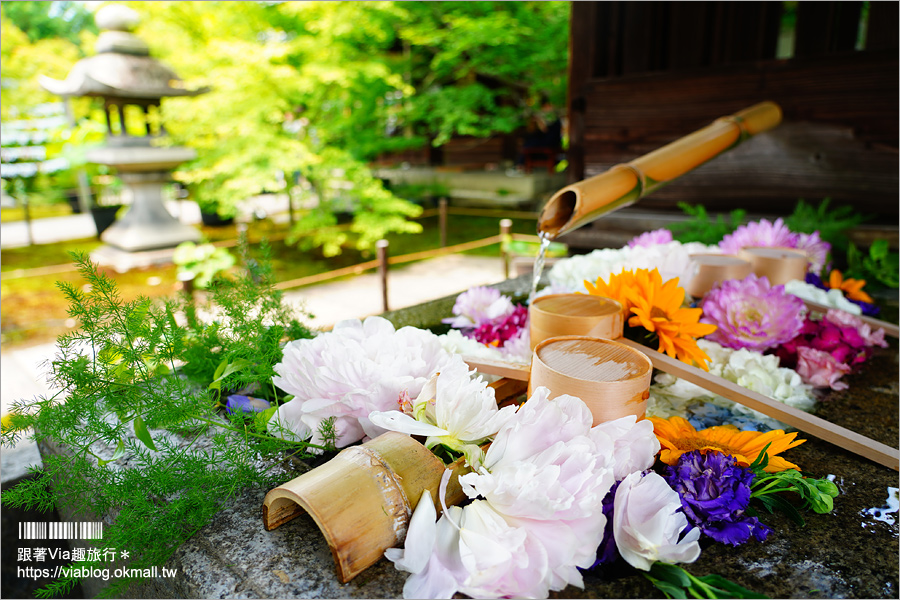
x,y
652,238
759,233
750,313
816,250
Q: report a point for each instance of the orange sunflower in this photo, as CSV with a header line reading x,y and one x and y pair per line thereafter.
x,y
658,307
852,288
615,289
677,436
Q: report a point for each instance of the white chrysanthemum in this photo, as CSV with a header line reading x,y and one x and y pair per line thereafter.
x,y
672,260
761,373
833,297
357,368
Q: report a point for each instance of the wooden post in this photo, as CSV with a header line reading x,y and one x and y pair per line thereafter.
x,y
442,221
382,247
505,232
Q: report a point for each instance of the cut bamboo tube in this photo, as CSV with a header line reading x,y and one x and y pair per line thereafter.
x,y
363,498
890,329
580,203
778,265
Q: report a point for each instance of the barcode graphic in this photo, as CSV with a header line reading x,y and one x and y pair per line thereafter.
x,y
83,530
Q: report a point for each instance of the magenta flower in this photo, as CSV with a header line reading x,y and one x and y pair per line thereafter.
x,y
759,233
752,314
820,368
652,238
497,332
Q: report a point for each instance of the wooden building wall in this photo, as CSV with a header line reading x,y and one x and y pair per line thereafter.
x,y
643,74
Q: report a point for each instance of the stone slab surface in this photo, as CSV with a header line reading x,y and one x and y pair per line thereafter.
x,y
851,553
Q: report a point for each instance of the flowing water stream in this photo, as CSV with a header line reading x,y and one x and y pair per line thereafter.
x,y
539,264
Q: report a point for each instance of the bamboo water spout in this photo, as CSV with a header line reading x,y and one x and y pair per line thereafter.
x,y
622,185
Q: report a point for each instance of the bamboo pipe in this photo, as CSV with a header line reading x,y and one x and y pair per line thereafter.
x,y
622,185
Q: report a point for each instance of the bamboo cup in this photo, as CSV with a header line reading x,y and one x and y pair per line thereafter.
x,y
363,498
778,265
612,379
574,314
580,203
713,268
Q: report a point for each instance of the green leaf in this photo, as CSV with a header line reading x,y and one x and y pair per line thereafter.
x,y
774,501
119,453
879,250
670,573
238,365
142,433
731,589
670,590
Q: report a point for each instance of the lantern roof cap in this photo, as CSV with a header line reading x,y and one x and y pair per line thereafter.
x,y
122,67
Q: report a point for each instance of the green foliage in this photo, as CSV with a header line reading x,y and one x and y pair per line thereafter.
x,y
201,263
120,389
816,494
47,20
880,265
675,582
700,228
831,223
239,347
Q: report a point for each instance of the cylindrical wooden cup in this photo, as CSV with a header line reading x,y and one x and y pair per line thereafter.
x,y
363,498
574,314
713,268
778,265
611,378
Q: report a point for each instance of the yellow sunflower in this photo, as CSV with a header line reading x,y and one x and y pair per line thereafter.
x,y
677,436
615,289
658,307
852,288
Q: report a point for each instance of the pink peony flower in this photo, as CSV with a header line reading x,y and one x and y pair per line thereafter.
x,y
820,368
752,314
651,238
759,233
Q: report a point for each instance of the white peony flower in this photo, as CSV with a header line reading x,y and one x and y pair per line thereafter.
x,y
761,373
648,522
478,305
357,368
546,473
635,445
452,409
833,298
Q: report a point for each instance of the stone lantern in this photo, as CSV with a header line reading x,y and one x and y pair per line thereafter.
x,y
132,85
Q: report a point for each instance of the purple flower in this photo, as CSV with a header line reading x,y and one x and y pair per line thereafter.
x,y
759,233
868,309
816,250
247,404
816,280
652,238
607,553
714,494
752,314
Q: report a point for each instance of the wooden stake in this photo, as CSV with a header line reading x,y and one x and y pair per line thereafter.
x,y
382,248
442,220
505,231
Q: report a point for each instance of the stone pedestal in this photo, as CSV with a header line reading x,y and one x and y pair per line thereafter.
x,y
144,171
